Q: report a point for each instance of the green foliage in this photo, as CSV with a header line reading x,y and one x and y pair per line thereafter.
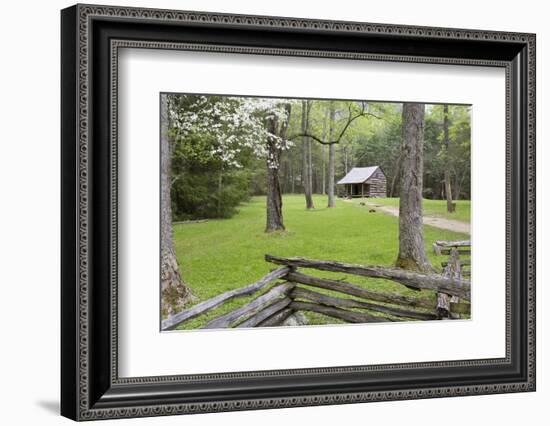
x,y
377,141
198,194
203,184
372,139
220,255
436,157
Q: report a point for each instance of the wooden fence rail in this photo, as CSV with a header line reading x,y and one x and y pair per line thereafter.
x,y
323,299
354,290
265,300
291,293
207,305
450,306
410,279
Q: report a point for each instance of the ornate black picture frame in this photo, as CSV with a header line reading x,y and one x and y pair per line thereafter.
x,y
91,387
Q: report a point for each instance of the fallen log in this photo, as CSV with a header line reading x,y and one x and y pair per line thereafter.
x,y
410,279
200,308
252,308
348,316
354,290
254,320
308,295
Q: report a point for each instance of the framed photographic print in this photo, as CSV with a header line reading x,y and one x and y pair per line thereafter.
x,y
263,212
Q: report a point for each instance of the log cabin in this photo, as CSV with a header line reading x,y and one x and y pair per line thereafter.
x,y
364,182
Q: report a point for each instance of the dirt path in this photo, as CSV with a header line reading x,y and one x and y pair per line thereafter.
x,y
438,222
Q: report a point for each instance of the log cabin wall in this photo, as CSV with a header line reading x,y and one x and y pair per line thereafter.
x,y
378,184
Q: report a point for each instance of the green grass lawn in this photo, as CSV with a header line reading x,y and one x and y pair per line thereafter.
x,y
436,208
220,255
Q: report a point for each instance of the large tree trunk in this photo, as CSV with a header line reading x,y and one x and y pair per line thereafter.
x,y
345,157
274,199
324,172
274,210
324,152
310,170
293,178
330,188
448,191
306,152
396,176
458,184
411,233
174,293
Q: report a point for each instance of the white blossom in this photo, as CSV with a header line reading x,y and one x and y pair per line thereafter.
x,y
234,123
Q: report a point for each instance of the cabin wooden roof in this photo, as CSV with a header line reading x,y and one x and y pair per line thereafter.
x,y
358,175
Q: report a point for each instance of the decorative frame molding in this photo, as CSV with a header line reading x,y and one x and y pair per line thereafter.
x,y
91,37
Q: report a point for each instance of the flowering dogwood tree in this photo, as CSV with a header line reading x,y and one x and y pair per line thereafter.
x,y
235,124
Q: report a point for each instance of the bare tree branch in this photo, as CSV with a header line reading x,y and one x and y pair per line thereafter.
x,y
351,118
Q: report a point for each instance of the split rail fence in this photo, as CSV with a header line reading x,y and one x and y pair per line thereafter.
x,y
294,291
456,267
